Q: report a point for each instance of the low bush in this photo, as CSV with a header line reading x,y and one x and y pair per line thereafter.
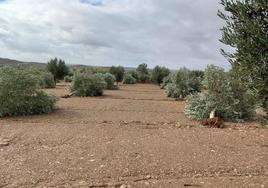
x,y
118,72
68,79
224,97
172,90
166,80
93,70
134,74
199,105
129,79
182,83
143,73
110,81
88,85
48,80
20,93
158,74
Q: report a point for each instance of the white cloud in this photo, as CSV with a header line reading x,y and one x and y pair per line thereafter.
x,y
174,33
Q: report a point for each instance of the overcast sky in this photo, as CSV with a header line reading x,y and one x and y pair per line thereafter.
x,y
173,33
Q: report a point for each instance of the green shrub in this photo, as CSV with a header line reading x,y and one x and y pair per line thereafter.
x,y
199,105
196,79
225,97
48,80
94,70
129,79
143,73
68,79
166,80
134,74
182,84
110,81
158,74
20,93
88,84
118,72
172,90
58,68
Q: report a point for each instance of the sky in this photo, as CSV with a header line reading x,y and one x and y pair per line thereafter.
x,y
171,33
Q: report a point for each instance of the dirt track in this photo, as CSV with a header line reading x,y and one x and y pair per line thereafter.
x,y
131,137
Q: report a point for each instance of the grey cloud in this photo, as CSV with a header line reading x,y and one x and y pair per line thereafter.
x,y
174,33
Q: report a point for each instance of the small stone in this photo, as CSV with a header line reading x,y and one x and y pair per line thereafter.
x,y
3,143
178,125
82,183
123,186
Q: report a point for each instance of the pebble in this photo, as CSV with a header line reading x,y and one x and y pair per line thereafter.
x,y
123,186
3,143
178,125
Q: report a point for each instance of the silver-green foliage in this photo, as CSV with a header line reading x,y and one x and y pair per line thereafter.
x,y
20,93
199,105
129,79
68,78
47,80
168,79
172,90
85,84
224,94
182,84
110,81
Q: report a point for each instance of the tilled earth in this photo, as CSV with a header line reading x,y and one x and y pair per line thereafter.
x,y
132,137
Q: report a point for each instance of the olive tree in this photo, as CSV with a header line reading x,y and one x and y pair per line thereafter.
x,y
20,93
88,84
223,96
182,83
159,73
246,32
118,72
58,68
143,73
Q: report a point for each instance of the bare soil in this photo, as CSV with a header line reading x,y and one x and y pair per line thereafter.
x,y
132,137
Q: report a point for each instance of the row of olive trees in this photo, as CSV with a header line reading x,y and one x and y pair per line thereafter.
x,y
235,95
213,93
142,74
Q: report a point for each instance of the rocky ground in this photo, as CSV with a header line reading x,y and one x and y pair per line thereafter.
x,y
132,137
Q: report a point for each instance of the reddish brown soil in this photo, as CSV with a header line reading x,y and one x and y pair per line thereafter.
x,y
132,137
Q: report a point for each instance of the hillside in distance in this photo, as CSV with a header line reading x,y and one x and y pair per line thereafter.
x,y
12,62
